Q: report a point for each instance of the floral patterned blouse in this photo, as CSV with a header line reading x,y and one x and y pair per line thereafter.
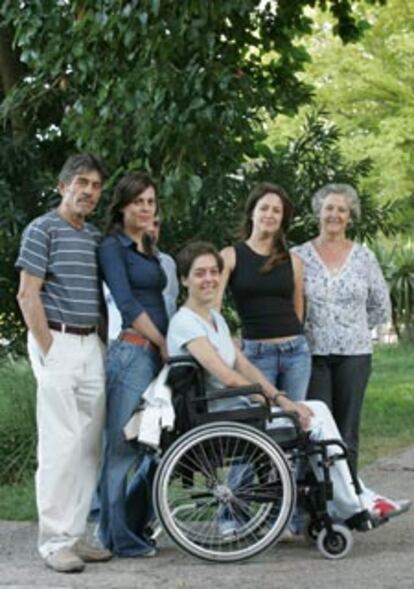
x,y
342,307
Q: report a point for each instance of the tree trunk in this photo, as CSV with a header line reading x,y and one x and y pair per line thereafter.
x,y
11,72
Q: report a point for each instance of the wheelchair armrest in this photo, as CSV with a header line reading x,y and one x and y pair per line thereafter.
x,y
340,444
291,416
245,391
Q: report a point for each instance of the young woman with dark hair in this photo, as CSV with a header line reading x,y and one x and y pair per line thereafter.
x,y
132,271
266,283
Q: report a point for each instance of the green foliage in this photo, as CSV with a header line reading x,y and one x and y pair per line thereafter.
x,y
17,422
178,88
312,159
22,197
181,89
302,165
17,502
397,261
389,404
368,87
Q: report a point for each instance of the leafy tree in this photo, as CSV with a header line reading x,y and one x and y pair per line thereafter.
x,y
314,158
302,165
368,88
181,89
22,197
397,261
177,88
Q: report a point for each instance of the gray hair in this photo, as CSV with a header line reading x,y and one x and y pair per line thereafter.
x,y
345,190
82,162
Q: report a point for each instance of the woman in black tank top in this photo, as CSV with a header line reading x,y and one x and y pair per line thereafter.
x,y
267,287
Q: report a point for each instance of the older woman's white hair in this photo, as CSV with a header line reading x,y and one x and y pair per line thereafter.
x,y
345,190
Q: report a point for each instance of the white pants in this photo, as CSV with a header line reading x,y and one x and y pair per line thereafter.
x,y
345,500
70,418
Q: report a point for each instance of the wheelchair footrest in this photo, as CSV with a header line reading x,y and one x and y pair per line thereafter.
x,y
361,521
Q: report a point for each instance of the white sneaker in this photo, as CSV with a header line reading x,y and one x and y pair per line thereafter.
x,y
89,552
65,561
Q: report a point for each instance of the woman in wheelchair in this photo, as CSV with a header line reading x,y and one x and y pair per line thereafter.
x,y
199,330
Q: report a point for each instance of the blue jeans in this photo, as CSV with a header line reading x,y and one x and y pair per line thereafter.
x,y
287,365
126,479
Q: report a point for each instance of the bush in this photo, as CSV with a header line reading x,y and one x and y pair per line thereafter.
x,y
17,422
397,261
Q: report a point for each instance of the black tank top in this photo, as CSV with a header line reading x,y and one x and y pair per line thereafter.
x,y
264,300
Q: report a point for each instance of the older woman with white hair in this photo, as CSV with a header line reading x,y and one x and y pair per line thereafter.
x,y
346,296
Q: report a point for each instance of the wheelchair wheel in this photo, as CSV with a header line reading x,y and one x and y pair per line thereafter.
x,y
335,544
311,531
241,495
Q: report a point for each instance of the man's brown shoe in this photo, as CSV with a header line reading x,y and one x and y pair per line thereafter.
x,y
65,561
91,552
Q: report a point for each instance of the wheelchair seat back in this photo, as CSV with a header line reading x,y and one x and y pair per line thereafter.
x,y
186,380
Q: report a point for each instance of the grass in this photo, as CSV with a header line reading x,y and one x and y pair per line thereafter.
x,y
17,440
387,423
388,415
18,501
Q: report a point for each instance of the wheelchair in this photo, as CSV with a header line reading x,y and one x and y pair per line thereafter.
x,y
225,490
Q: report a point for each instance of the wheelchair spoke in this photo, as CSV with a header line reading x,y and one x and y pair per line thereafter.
x,y
207,462
217,458
199,462
262,493
224,492
191,464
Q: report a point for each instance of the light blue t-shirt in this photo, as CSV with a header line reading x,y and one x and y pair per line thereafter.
x,y
186,326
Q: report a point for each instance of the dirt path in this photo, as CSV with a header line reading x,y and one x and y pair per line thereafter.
x,y
381,559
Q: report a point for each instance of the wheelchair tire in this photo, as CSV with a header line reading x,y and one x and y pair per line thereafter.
x,y
241,497
335,544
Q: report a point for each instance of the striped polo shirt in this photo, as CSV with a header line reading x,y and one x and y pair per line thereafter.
x,y
66,258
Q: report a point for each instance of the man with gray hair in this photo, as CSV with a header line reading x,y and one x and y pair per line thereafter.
x,y
60,298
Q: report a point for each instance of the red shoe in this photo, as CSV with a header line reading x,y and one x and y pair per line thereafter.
x,y
386,508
